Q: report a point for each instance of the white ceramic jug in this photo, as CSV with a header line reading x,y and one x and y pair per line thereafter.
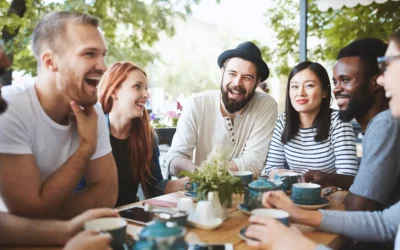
x,y
219,210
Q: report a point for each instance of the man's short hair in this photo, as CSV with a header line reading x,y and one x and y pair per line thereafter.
x,y
52,27
368,49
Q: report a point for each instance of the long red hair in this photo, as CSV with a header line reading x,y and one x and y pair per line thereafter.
x,y
141,140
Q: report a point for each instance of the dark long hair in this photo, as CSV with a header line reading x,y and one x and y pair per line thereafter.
x,y
141,141
323,120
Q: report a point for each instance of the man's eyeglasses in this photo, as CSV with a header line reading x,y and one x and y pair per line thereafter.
x,y
384,61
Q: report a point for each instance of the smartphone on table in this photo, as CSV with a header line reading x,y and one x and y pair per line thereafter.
x,y
205,246
136,215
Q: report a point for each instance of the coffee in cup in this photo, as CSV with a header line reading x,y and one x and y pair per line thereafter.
x,y
277,214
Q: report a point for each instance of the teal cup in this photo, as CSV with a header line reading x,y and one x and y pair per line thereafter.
x,y
288,179
276,214
191,186
245,176
255,190
181,218
306,193
112,225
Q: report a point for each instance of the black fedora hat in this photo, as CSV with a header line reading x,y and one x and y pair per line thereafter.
x,y
248,51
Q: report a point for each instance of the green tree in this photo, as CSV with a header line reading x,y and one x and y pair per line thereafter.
x,y
333,29
131,27
188,60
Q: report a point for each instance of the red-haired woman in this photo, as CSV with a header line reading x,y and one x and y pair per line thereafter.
x,y
123,95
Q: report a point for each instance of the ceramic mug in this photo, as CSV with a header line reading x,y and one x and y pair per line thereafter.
x,y
180,217
185,204
114,226
277,214
288,179
245,176
191,186
254,192
306,193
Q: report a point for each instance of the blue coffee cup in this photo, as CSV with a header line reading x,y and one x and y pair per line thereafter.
x,y
276,214
288,179
245,176
191,186
112,225
255,191
306,193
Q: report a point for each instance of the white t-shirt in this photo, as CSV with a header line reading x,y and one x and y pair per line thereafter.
x,y
202,127
25,128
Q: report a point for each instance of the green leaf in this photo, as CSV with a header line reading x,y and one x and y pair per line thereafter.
x,y
187,173
332,29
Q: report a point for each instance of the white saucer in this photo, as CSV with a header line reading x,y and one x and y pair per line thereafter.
x,y
188,194
323,203
199,225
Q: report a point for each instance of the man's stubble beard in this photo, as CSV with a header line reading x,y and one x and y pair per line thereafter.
x,y
74,92
233,106
359,104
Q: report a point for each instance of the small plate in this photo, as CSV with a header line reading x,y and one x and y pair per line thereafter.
x,y
192,195
188,194
241,235
244,209
321,204
196,224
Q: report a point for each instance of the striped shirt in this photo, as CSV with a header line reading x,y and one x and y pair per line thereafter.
x,y
302,153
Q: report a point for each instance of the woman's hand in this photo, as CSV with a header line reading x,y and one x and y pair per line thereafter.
x,y
276,171
278,199
272,234
315,176
328,179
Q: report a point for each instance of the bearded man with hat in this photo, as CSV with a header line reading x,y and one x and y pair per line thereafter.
x,y
237,118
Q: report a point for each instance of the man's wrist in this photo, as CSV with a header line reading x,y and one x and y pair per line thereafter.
x,y
86,151
306,217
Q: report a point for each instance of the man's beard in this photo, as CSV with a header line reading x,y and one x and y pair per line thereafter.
x,y
233,106
359,104
75,92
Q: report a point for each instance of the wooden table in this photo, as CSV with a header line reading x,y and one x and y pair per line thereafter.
x,y
228,232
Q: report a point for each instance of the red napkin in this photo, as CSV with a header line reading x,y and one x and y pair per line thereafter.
x,y
160,203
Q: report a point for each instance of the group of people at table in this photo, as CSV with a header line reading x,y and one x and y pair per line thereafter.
x,y
79,139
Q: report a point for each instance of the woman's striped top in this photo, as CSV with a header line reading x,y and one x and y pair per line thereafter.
x,y
302,153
